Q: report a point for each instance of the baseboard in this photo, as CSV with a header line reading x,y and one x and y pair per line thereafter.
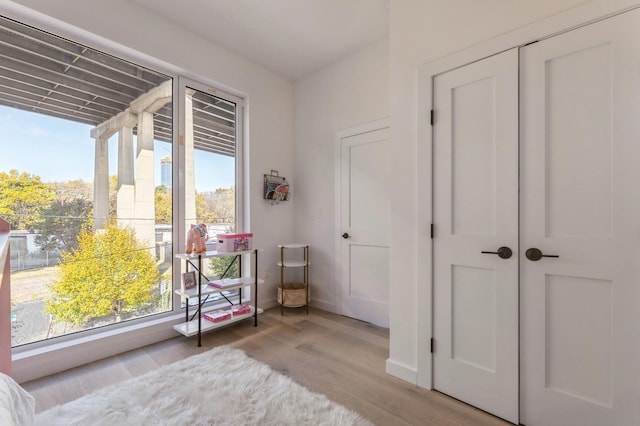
x,y
325,306
271,303
401,371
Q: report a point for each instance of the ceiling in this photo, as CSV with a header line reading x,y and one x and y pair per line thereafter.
x,y
290,37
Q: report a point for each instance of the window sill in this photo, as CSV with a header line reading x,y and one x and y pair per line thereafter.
x,y
32,363
44,358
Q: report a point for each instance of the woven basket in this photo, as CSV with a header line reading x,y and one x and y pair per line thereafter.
x,y
294,295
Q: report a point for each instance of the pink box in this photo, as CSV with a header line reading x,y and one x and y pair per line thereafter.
x,y
234,242
240,309
217,316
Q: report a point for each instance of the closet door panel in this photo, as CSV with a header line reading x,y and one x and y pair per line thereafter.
x,y
580,180
578,144
476,210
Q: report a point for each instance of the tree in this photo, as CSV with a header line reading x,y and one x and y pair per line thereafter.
x,y
163,204
113,196
225,204
203,214
22,199
222,204
220,264
73,189
63,220
109,273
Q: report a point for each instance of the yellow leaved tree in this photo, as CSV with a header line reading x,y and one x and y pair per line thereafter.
x,y
109,273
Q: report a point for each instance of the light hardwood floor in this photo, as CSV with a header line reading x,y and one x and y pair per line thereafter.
x,y
340,357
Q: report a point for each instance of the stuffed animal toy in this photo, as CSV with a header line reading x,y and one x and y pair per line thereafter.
x,y
197,238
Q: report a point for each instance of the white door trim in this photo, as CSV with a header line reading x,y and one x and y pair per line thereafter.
x,y
337,253
562,22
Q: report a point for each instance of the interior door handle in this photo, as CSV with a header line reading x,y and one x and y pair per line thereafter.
x,y
535,254
345,236
503,252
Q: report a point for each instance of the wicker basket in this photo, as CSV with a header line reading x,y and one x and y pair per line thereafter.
x,y
294,295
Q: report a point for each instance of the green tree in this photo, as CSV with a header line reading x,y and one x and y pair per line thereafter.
x,y
22,199
65,217
62,223
220,264
109,273
163,204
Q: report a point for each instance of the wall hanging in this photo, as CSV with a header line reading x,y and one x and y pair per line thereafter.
x,y
276,187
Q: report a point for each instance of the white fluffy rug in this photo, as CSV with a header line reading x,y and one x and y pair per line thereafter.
x,y
219,387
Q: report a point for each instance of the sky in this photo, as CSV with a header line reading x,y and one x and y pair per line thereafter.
x,y
61,150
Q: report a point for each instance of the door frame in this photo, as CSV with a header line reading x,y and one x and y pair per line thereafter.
x,y
337,231
576,17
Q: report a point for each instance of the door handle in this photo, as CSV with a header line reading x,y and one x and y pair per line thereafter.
x,y
345,236
503,252
535,254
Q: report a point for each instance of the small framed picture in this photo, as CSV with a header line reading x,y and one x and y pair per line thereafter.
x,y
189,280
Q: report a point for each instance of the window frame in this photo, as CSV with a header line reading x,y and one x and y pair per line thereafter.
x,y
48,356
183,83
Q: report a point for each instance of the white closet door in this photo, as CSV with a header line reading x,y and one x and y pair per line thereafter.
x,y
476,210
580,200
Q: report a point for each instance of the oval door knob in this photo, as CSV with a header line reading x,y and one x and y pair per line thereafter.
x,y
345,236
503,252
535,254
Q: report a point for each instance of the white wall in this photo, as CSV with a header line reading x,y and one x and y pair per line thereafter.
x,y
121,28
349,93
423,31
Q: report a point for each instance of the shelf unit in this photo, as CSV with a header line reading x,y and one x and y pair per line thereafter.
x,y
294,294
195,325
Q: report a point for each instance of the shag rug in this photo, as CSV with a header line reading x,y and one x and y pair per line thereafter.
x,y
219,387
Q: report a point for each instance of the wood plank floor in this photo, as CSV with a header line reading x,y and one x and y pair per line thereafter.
x,y
327,353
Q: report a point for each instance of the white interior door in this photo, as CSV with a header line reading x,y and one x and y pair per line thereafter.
x,y
364,226
475,211
580,167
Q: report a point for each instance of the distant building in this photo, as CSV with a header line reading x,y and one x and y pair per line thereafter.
x,y
165,171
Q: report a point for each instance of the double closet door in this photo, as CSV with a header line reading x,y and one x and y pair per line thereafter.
x,y
537,229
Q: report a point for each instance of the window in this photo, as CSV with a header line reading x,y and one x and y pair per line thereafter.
x,y
83,137
210,129
88,177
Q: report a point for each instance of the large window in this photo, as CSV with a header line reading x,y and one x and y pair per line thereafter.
x,y
88,172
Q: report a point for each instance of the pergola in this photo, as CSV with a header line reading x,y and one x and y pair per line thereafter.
x,y
46,74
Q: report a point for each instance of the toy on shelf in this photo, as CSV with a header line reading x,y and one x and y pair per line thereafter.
x,y
197,238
